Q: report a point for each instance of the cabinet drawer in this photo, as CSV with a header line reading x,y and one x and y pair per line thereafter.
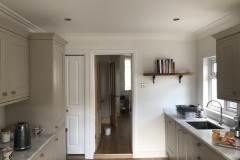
x,y
198,156
199,146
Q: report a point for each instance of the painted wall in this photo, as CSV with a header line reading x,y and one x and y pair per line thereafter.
x,y
149,132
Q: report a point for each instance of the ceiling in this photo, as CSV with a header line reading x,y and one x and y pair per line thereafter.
x,y
122,16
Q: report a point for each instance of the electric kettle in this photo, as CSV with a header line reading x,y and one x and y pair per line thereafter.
x,y
22,137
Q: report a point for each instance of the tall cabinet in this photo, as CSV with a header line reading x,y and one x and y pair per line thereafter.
x,y
46,106
14,67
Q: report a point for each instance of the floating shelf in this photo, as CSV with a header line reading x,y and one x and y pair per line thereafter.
x,y
180,75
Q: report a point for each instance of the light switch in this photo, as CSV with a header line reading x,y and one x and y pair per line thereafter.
x,y
143,85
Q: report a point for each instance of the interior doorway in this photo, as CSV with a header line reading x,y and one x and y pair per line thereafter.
x,y
115,95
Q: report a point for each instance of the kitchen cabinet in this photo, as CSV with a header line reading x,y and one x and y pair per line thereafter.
x,y
203,151
46,106
59,153
45,153
228,64
47,100
184,144
170,137
14,71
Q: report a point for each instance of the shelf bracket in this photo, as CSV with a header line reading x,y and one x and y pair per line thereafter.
x,y
154,79
180,78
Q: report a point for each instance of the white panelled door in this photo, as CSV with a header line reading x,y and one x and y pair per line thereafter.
x,y
75,104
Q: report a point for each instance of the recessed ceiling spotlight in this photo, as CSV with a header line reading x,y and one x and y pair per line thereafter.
x,y
67,19
176,19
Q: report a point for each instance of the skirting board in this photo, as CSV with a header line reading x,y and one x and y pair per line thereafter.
x,y
105,120
156,154
112,156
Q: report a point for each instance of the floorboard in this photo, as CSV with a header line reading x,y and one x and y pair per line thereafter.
x,y
120,140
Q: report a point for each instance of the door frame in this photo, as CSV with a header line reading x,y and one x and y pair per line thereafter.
x,y
90,98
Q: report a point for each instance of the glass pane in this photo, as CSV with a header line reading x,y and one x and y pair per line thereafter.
x,y
215,67
232,105
127,74
214,94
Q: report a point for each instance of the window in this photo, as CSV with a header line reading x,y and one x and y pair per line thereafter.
x,y
127,64
228,107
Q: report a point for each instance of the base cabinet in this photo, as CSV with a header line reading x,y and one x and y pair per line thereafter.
x,y
170,138
45,153
59,153
184,144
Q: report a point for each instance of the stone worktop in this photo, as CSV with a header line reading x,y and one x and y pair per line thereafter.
x,y
205,135
37,143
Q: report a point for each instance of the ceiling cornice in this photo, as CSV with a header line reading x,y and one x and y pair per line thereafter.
x,y
128,36
19,19
223,23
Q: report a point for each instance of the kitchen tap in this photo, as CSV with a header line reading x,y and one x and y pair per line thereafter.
x,y
220,120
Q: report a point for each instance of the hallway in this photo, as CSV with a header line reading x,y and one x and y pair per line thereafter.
x,y
120,140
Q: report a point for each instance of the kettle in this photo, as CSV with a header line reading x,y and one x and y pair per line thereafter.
x,y
22,138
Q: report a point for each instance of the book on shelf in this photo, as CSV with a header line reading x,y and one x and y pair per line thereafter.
x,y
165,66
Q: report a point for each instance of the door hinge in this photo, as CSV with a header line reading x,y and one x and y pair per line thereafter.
x,y
66,130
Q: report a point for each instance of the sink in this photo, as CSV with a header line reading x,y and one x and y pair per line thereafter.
x,y
204,125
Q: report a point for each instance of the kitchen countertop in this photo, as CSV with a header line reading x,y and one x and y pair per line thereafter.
x,y
37,143
205,135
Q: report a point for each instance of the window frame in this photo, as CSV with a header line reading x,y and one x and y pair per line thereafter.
x,y
226,104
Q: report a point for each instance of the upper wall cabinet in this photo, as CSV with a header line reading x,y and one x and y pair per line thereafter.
x,y
14,67
228,64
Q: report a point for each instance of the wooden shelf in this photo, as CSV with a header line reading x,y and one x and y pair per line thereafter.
x,y
180,75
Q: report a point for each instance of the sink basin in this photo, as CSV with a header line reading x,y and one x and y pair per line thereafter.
x,y
204,125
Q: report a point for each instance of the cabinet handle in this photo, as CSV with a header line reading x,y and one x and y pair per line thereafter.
x,y
13,92
184,132
67,110
42,155
198,158
56,127
4,94
234,92
169,121
56,139
199,145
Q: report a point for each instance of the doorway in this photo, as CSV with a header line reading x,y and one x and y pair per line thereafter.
x,y
113,96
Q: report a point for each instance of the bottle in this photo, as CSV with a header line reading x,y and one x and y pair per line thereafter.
x,y
199,109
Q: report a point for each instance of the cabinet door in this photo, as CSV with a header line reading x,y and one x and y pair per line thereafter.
x,y
3,76
181,144
59,145
170,138
189,146
228,68
198,156
18,66
58,85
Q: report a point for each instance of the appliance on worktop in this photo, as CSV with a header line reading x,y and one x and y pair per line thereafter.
x,y
22,137
236,130
183,109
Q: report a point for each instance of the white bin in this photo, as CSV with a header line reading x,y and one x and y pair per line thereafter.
x,y
107,130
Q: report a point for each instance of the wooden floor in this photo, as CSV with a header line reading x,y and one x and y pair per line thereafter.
x,y
116,145
120,140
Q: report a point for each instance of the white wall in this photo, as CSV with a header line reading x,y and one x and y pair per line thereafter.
x,y
166,92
